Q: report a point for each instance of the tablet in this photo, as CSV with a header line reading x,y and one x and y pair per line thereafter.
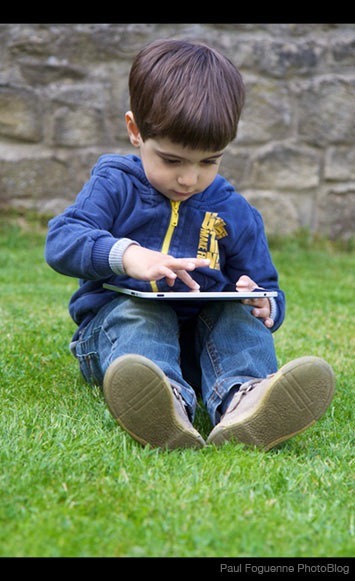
x,y
191,295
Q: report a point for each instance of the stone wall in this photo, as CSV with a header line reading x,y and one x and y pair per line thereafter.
x,y
63,95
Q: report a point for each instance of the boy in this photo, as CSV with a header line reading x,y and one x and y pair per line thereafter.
x,y
167,219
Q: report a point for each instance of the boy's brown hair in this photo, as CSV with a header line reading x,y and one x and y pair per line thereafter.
x,y
186,91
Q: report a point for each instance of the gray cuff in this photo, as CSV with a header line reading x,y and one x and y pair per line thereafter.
x,y
117,251
273,308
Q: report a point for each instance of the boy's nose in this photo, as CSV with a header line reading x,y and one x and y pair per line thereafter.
x,y
188,179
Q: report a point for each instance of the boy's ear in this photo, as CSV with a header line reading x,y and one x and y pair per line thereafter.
x,y
133,131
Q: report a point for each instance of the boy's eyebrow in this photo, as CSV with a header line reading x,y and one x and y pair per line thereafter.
x,y
168,154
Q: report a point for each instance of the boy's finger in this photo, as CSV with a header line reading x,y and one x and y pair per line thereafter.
x,y
188,280
192,263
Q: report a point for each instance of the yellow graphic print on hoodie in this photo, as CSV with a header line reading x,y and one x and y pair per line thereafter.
x,y
212,230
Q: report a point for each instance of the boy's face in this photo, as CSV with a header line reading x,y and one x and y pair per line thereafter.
x,y
175,171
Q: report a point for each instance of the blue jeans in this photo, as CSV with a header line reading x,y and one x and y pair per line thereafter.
x,y
223,346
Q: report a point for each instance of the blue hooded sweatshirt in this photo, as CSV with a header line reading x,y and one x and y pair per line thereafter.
x,y
119,202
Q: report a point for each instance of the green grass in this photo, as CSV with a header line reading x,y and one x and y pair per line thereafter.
x,y
73,484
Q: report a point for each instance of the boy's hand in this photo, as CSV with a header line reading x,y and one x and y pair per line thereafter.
x,y
262,306
145,264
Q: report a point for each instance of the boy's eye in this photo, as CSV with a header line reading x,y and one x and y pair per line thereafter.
x,y
170,161
177,161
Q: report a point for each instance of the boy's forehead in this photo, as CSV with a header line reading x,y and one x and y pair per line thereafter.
x,y
165,146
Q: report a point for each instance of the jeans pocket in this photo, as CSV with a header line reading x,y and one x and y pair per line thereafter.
x,y
89,360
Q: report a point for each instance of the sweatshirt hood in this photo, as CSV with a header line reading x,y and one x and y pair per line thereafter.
x,y
130,164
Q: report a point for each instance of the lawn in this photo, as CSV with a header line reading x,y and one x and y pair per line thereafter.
x,y
73,484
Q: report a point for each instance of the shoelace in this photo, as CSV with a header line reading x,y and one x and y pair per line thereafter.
x,y
243,390
180,399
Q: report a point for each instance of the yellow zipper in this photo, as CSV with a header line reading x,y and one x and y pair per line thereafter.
x,y
174,218
172,225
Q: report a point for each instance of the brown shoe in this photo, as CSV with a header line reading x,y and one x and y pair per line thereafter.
x,y
265,412
144,403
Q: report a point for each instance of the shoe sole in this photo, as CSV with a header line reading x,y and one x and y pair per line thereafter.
x,y
141,400
297,396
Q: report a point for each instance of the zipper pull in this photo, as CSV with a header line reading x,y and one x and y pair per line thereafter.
x,y
175,213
